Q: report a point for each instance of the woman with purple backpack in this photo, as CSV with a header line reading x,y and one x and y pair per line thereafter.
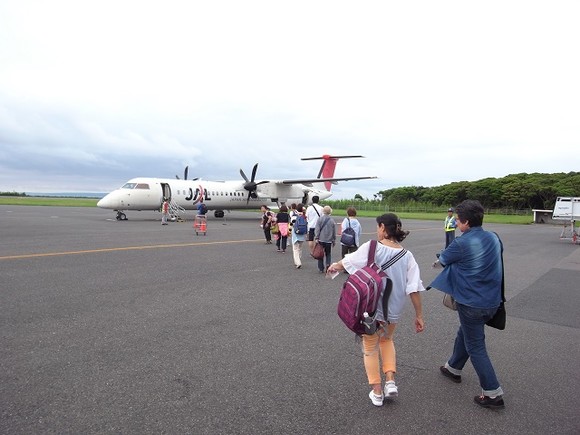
x,y
406,281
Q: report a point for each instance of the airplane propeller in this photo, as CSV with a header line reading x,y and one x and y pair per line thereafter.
x,y
184,173
250,185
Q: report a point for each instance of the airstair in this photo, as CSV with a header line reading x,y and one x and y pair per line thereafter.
x,y
176,212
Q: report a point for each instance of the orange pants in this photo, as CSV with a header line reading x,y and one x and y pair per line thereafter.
x,y
380,344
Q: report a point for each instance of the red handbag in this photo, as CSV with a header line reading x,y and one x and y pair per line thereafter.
x,y
317,251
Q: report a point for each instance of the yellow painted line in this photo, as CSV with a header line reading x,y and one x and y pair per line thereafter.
x,y
124,248
137,248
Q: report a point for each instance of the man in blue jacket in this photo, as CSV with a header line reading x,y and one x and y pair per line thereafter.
x,y
473,275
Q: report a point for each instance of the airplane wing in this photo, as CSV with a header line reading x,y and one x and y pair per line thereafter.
x,y
309,181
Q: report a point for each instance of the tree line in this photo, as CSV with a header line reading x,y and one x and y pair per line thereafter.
x,y
516,191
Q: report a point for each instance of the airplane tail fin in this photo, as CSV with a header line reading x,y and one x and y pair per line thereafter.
x,y
328,166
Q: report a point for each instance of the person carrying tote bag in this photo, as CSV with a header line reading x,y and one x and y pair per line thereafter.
x,y
473,276
325,235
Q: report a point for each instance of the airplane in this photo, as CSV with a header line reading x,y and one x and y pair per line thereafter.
x,y
183,194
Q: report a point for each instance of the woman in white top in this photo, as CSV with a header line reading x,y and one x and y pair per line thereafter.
x,y
406,280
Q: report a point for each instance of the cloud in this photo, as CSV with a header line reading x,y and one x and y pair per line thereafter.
x,y
94,94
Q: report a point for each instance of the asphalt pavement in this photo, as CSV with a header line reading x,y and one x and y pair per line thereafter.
x,y
131,327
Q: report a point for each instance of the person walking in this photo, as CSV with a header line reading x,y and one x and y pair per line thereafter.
x,y
293,214
283,219
406,281
449,226
313,212
350,221
325,234
297,240
472,275
266,223
164,211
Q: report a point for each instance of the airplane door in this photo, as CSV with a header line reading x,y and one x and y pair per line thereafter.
x,y
166,188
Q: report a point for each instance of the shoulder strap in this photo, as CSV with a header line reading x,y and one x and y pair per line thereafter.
x,y
372,249
394,259
316,209
323,223
502,269
348,222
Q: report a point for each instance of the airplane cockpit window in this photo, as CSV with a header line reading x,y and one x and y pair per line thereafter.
x,y
129,186
142,186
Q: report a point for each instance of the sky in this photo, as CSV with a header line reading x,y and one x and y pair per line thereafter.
x,y
93,93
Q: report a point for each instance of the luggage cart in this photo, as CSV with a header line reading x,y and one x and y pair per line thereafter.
x,y
200,225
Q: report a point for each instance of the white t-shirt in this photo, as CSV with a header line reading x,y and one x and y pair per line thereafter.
x,y
404,273
312,216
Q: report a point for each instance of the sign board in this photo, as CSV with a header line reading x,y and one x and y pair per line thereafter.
x,y
567,208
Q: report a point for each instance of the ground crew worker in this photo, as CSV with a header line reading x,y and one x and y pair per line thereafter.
x,y
450,225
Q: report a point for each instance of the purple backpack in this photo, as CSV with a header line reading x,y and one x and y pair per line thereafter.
x,y
362,290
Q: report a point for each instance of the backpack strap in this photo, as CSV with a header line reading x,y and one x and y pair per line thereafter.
x,y
389,283
372,249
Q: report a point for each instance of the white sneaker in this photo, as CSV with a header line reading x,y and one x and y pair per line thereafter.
x,y
391,389
377,399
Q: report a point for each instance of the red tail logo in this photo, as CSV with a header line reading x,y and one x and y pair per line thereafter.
x,y
327,169
328,166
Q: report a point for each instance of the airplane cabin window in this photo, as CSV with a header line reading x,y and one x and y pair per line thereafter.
x,y
128,186
142,186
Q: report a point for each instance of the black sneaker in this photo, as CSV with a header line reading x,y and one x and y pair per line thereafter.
x,y
447,373
488,402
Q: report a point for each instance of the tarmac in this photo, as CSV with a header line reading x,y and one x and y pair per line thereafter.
x,y
131,327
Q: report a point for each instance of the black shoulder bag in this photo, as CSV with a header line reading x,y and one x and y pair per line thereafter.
x,y
499,318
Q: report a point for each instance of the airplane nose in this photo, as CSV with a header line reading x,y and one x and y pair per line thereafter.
x,y
105,202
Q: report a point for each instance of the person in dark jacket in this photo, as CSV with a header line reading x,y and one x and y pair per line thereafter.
x,y
266,223
283,219
472,275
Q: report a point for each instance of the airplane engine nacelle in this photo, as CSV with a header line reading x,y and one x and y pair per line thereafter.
x,y
307,200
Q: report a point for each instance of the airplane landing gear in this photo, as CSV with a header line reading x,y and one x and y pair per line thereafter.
x,y
121,216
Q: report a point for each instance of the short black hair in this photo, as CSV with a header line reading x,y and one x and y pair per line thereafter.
x,y
470,211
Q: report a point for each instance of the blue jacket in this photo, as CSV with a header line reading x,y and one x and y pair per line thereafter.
x,y
473,269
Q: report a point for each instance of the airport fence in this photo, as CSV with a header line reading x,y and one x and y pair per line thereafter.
x,y
415,208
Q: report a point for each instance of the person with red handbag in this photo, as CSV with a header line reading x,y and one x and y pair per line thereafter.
x,y
325,235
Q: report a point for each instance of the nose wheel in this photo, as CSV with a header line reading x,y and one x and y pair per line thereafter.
x,y
121,216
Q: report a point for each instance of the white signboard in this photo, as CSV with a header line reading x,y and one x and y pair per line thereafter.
x,y
567,208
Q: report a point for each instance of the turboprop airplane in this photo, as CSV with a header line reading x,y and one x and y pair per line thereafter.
x,y
183,194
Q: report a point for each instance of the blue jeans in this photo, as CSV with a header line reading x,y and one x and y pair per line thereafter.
x,y
470,343
327,250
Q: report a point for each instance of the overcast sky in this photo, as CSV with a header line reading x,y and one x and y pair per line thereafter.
x,y
93,93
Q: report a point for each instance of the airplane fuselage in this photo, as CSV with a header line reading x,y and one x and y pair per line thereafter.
x,y
148,194
183,194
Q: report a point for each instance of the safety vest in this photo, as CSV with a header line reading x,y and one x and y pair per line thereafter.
x,y
450,223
